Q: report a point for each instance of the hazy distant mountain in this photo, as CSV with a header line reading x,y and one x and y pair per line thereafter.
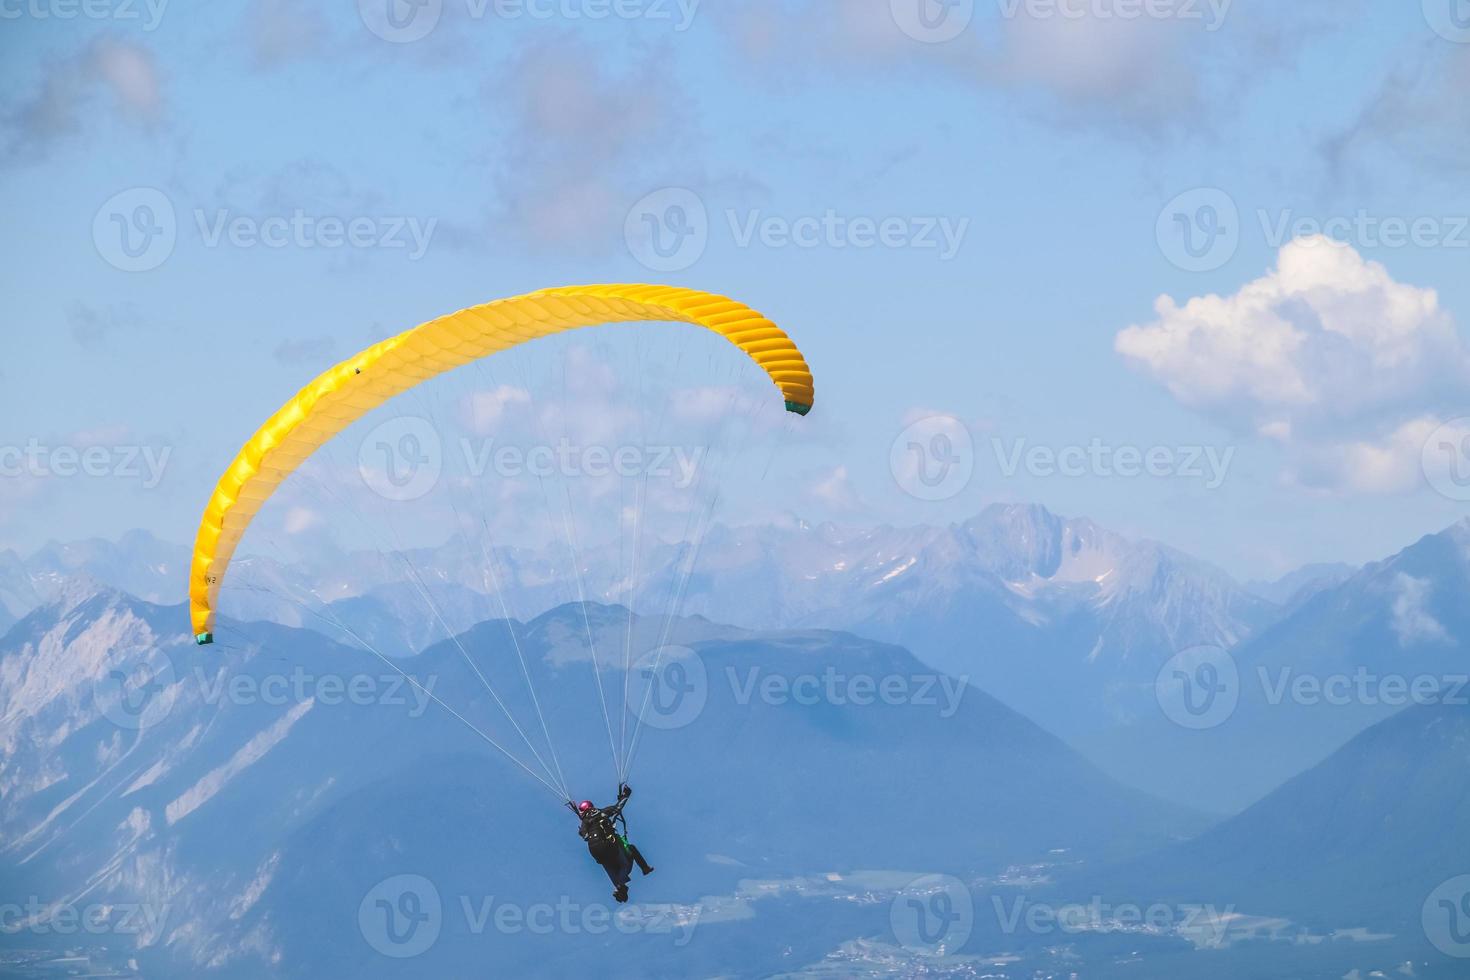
x,y
1066,622
1296,587
137,563
1361,840
239,792
1061,619
1389,636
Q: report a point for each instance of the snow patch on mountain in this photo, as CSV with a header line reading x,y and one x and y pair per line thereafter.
x,y
247,755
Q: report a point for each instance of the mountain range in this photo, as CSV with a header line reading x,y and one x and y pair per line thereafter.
x,y
244,798
1066,622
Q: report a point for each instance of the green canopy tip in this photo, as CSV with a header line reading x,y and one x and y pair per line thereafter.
x,y
797,407
204,638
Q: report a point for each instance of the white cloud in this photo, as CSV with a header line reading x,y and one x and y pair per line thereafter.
x,y
486,411
300,519
835,490
1412,621
1326,355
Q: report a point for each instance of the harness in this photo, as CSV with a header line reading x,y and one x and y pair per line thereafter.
x,y
604,828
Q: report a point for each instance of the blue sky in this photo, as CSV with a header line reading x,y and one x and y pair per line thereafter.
x,y
523,141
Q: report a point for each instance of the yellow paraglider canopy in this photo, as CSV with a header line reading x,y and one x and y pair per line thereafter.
x,y
342,394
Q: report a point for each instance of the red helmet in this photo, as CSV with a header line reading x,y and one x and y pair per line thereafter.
x,y
584,806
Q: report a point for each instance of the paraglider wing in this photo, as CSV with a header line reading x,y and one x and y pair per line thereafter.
x,y
361,383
